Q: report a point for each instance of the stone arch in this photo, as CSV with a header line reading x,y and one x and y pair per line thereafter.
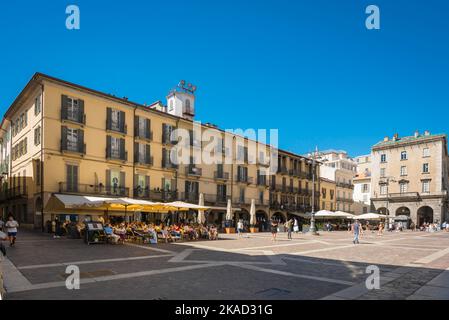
x,y
278,216
262,220
425,215
403,211
244,215
383,210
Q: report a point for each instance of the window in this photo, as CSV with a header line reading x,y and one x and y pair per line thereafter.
x,y
404,155
72,109
383,189
383,157
188,108
115,147
426,186
115,120
37,105
221,192
242,195
425,168
426,152
142,185
72,139
37,136
22,122
72,178
403,187
403,171
382,172
365,188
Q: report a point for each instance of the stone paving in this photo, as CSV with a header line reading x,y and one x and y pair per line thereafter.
x,y
413,265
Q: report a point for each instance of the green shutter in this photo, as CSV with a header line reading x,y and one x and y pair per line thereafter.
x,y
64,102
136,126
108,147
63,138
122,149
147,154
136,152
81,118
81,148
108,118
148,128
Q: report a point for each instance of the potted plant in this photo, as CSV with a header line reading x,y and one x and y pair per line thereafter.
x,y
253,228
229,229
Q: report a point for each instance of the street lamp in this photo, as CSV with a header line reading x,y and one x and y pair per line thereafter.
x,y
312,229
387,213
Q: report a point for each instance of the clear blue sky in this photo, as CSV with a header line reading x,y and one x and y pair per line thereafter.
x,y
309,68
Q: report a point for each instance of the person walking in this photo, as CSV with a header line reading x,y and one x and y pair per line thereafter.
x,y
2,224
357,230
274,229
296,226
381,229
240,228
289,226
11,228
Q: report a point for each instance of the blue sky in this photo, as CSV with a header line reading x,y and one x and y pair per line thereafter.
x,y
308,68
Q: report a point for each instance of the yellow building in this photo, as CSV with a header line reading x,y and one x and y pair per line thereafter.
x,y
328,195
61,138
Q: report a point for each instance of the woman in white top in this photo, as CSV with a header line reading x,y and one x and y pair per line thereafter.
x,y
11,228
240,228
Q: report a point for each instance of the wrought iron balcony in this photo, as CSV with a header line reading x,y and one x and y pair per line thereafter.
x,y
192,170
93,189
220,175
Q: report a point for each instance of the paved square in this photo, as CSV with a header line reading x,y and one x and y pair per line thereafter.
x,y
413,265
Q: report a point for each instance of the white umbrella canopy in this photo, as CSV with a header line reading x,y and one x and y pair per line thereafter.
x,y
252,212
344,214
229,210
201,218
369,216
324,213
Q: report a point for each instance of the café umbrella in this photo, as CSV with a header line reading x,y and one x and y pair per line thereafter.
x,y
229,210
252,213
201,218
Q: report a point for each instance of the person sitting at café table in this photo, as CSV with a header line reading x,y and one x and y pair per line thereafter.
x,y
110,233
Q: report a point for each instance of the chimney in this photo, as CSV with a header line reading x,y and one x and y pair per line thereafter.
x,y
386,139
427,133
416,134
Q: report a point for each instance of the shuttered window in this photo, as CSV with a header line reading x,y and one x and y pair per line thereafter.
x,y
72,178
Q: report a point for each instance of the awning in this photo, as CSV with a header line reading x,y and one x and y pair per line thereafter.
x,y
59,202
369,216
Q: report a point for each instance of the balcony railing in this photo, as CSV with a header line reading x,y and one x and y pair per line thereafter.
x,y
219,175
410,195
143,161
218,199
168,165
144,135
282,170
190,197
193,171
244,179
116,155
341,199
345,185
93,189
73,147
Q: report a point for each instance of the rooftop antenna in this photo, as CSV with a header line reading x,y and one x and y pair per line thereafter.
x,y
187,87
